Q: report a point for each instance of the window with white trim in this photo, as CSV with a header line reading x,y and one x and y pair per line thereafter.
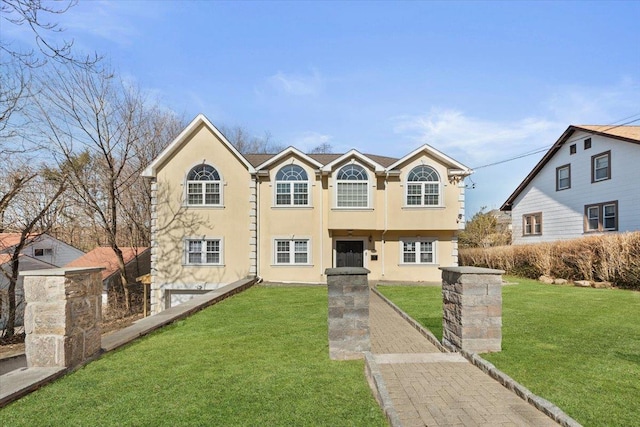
x,y
418,251
532,224
601,217
204,186
352,187
292,186
423,187
43,252
291,251
203,251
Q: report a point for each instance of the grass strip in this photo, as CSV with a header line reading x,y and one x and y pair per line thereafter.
x,y
577,347
258,358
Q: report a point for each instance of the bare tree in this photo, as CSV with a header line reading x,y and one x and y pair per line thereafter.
x,y
323,148
32,201
246,143
99,128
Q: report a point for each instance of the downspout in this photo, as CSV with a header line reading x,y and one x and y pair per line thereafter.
x,y
321,227
386,213
257,227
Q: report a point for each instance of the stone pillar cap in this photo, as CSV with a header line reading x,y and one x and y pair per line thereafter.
x,y
60,271
346,271
471,270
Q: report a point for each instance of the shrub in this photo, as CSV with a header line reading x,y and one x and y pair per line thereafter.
x,y
611,258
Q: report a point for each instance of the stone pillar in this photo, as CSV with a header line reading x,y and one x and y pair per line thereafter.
x,y
348,312
472,304
63,316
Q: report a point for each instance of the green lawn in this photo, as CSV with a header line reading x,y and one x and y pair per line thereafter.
x,y
577,347
258,358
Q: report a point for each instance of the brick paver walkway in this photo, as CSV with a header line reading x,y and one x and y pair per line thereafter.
x,y
430,388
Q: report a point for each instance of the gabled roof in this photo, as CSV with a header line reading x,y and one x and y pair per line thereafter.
x,y
286,152
451,163
622,133
176,144
377,167
104,256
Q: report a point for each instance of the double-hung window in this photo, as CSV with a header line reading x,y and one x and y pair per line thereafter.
x,y
532,224
601,217
563,177
204,186
292,186
418,251
352,187
204,251
601,167
423,187
291,251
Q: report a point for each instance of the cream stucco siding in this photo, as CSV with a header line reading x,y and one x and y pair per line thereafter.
x,y
294,242
177,222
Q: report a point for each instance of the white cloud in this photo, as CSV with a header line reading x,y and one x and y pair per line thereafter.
x,y
297,84
473,140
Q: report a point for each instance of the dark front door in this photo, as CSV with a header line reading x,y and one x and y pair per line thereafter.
x,y
349,253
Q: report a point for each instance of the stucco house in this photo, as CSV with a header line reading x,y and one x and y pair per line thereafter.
x,y
41,251
218,215
585,184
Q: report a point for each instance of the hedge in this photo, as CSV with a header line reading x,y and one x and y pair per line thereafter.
x,y
611,258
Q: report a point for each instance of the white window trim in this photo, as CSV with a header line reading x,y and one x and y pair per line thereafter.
x,y
185,256
406,183
309,183
291,263
186,182
404,240
336,181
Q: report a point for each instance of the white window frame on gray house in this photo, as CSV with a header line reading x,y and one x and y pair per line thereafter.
x,y
532,224
601,217
601,167
563,177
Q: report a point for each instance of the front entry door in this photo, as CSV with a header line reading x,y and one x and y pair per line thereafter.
x,y
349,253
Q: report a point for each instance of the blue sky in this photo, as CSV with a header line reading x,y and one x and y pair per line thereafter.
x,y
480,81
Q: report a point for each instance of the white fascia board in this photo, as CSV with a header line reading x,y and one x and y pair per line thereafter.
x,y
284,153
464,170
378,168
150,171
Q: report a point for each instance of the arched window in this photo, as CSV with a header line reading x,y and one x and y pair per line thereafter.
x,y
203,186
352,187
292,186
423,187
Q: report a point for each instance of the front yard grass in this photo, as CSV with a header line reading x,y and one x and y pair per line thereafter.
x,y
577,347
258,358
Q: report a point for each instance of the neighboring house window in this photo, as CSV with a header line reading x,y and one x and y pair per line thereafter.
x,y
532,224
587,143
291,251
43,252
292,186
601,167
572,149
418,251
204,251
563,177
601,217
423,187
204,186
352,187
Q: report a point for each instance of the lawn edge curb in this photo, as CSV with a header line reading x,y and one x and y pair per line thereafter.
x,y
379,389
541,404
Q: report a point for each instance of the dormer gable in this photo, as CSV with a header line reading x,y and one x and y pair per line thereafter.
x,y
354,155
455,169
